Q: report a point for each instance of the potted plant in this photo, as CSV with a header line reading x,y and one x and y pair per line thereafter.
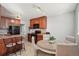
x,y
52,39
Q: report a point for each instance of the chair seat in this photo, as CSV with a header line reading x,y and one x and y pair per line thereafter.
x,y
14,44
22,41
9,45
19,42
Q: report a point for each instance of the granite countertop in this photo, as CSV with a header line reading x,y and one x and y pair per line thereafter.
x,y
45,45
8,36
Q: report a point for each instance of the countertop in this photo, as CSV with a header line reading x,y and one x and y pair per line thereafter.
x,y
1,37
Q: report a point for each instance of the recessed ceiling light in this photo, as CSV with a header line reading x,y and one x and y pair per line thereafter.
x,y
39,9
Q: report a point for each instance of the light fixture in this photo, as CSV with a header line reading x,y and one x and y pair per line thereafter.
x,y
78,33
39,9
12,21
18,17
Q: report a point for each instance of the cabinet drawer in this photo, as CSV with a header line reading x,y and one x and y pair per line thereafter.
x,y
1,41
2,49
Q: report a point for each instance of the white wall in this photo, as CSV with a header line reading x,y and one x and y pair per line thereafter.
x,y
77,24
3,31
6,12
61,26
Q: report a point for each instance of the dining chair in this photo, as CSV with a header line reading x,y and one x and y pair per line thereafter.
x,y
64,49
9,45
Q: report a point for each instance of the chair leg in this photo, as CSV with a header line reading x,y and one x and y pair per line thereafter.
x,y
20,52
14,50
15,53
23,46
37,52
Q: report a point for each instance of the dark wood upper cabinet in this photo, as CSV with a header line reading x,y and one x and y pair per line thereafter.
x,y
42,21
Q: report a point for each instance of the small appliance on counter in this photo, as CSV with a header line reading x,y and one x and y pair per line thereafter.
x,y
14,30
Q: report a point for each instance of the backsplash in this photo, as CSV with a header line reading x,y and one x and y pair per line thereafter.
x,y
33,30
3,31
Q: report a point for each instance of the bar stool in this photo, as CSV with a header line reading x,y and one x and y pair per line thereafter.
x,y
14,45
20,43
23,42
9,45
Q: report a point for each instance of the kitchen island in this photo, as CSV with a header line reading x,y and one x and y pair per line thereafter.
x,y
14,38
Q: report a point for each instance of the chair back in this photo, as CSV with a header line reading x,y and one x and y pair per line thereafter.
x,y
14,40
67,50
7,40
18,38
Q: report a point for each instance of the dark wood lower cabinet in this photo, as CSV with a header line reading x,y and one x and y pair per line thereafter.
x,y
38,37
4,50
30,37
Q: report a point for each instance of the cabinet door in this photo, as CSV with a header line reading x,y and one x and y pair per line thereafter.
x,y
43,23
36,21
3,22
2,47
8,22
31,23
29,38
17,22
39,37
0,10
0,21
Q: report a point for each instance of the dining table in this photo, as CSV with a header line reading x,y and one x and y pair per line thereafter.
x,y
47,46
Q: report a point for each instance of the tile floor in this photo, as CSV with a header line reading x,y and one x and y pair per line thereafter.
x,y
29,51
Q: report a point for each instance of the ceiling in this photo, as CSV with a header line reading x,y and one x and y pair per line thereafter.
x,y
48,9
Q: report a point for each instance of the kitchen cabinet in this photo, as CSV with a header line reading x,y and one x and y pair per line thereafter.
x,y
0,15
5,22
38,37
17,22
42,21
2,48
